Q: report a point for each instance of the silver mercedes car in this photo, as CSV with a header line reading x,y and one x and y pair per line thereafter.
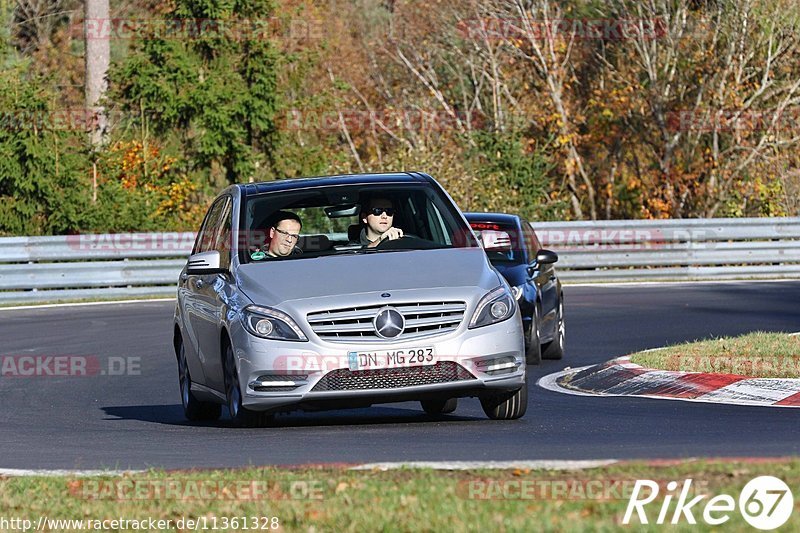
x,y
311,312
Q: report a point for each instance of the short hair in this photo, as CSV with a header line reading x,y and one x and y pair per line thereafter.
x,y
285,215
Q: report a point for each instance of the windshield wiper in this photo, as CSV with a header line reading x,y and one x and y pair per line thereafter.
x,y
356,251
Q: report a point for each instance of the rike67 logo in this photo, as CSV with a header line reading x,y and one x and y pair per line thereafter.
x,y
765,503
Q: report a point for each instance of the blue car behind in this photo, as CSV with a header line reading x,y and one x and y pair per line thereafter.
x,y
514,250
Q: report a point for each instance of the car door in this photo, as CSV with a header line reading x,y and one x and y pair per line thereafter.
x,y
199,307
210,290
544,276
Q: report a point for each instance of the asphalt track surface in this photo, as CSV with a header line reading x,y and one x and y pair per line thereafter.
x,y
136,421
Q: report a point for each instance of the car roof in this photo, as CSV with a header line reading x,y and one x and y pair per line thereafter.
x,y
326,181
501,218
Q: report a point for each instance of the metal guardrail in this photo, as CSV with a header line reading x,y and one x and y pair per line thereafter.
x,y
123,265
625,250
137,264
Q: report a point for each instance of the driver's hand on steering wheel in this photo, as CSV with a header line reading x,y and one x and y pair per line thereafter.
x,y
389,235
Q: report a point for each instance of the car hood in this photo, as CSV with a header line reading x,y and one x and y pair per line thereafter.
x,y
271,283
515,274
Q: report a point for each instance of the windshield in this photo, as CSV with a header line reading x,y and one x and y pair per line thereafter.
x,y
333,220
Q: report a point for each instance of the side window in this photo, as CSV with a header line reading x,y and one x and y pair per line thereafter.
x,y
205,239
437,226
531,240
222,237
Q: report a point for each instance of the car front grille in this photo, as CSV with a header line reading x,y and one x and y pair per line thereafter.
x,y
392,378
354,324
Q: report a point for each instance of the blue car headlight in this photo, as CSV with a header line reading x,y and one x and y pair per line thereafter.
x,y
517,291
494,307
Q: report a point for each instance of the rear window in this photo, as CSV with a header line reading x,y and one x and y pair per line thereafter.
x,y
502,241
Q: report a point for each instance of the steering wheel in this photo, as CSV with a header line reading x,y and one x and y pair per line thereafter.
x,y
409,241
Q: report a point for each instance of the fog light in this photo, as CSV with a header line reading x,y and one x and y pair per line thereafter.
x,y
499,309
499,365
264,327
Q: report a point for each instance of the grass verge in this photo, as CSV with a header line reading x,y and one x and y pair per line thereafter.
x,y
336,499
759,354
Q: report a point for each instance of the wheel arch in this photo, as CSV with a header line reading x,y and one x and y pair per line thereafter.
x,y
177,340
224,342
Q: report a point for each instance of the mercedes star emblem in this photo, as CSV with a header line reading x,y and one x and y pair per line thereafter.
x,y
389,323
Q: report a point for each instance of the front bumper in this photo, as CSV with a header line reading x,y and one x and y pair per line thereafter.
x,y
278,376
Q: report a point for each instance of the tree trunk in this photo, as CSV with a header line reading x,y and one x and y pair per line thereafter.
x,y
97,35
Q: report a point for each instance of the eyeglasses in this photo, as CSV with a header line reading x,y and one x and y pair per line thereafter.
x,y
287,235
377,211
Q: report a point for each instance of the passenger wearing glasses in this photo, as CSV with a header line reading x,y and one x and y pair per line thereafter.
x,y
378,218
283,236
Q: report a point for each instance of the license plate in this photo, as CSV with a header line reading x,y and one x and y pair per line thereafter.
x,y
391,358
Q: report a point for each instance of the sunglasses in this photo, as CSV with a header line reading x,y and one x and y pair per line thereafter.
x,y
378,211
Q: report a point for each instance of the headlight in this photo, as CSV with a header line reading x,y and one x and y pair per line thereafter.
x,y
269,323
496,306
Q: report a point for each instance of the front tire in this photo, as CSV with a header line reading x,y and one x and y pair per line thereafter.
x,y
506,405
555,348
240,415
193,409
533,347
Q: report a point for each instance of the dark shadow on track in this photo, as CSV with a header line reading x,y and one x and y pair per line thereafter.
x,y
173,415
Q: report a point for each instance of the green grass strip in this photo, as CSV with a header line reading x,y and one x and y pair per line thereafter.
x,y
336,499
759,354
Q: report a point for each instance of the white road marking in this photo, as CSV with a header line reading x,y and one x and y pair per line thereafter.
x,y
16,472
490,465
84,304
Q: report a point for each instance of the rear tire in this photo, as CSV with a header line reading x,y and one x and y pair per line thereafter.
x,y
240,415
193,409
439,407
555,348
506,405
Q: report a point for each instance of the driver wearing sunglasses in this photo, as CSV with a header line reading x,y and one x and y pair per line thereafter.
x,y
378,219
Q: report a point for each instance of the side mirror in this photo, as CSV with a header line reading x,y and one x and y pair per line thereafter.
x,y
204,263
546,257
